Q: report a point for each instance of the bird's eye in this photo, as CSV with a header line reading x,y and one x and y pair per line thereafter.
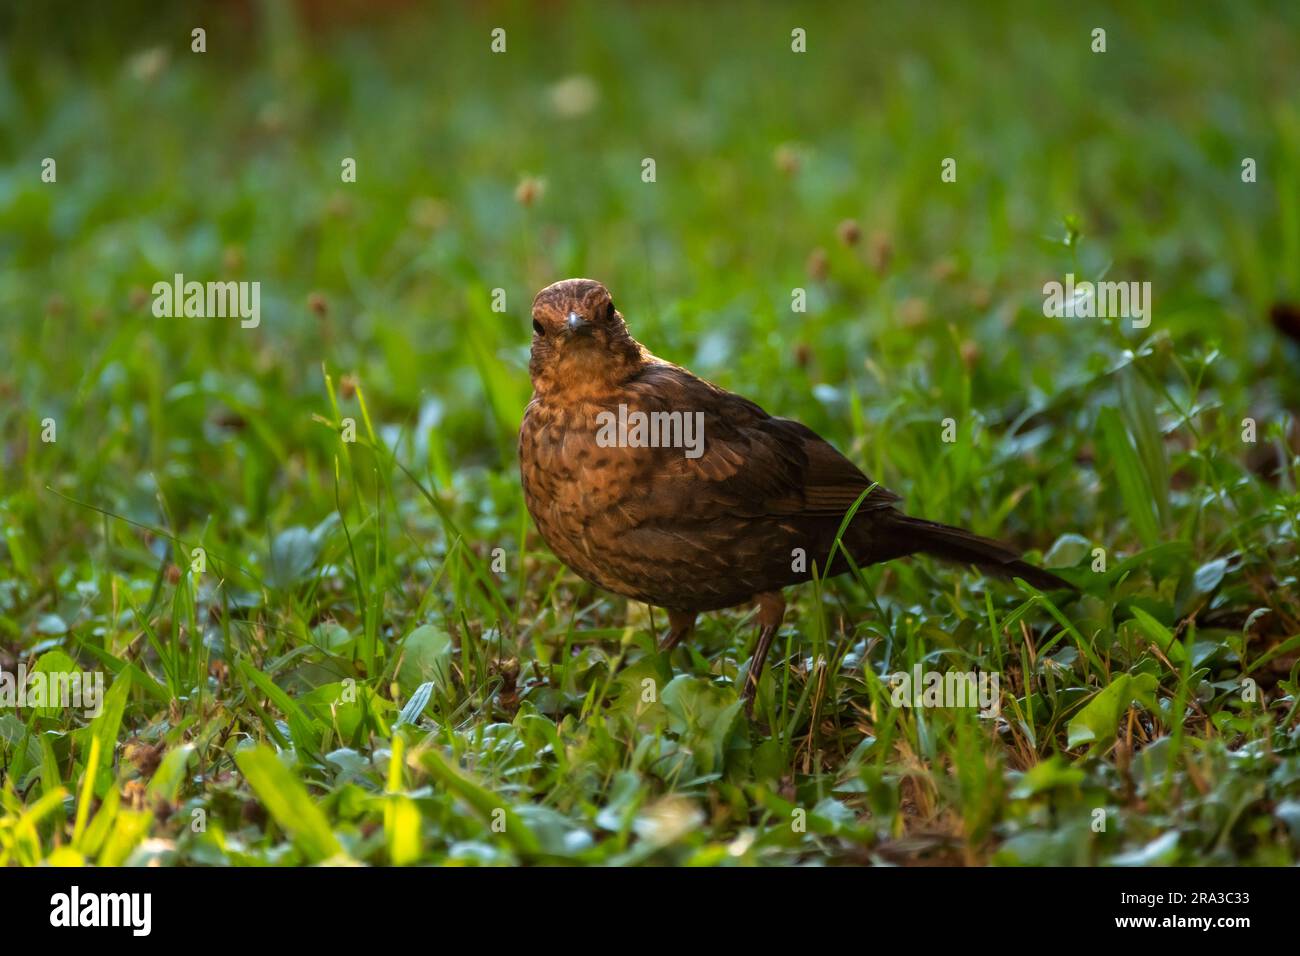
x,y
537,327
609,312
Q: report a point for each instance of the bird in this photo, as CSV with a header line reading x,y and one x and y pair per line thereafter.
x,y
654,484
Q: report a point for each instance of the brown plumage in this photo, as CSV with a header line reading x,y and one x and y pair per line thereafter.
x,y
721,522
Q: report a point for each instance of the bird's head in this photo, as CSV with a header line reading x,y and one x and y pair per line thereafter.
x,y
580,343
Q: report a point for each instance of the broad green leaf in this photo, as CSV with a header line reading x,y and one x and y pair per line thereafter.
x,y
704,715
292,557
1099,719
49,683
169,776
426,657
1209,575
288,802
26,839
1050,774
14,734
1067,551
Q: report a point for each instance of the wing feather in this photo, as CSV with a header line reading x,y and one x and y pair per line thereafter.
x,y
752,463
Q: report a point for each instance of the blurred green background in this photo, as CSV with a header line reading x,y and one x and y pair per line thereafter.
x,y
775,170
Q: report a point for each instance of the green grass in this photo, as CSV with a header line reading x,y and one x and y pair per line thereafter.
x,y
269,697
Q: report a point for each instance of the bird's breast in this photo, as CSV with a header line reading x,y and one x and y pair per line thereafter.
x,y
633,520
580,492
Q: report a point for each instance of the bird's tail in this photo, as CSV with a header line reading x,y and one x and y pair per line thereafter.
x,y
956,544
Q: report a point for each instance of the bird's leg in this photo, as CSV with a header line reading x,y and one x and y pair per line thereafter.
x,y
771,609
680,625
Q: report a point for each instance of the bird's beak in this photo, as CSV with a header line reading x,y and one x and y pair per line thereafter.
x,y
577,325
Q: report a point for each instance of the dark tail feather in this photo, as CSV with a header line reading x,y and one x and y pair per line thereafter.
x,y
955,544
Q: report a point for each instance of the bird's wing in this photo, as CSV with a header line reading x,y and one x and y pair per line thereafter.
x,y
751,462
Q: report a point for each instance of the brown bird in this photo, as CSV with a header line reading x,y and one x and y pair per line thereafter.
x,y
657,485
